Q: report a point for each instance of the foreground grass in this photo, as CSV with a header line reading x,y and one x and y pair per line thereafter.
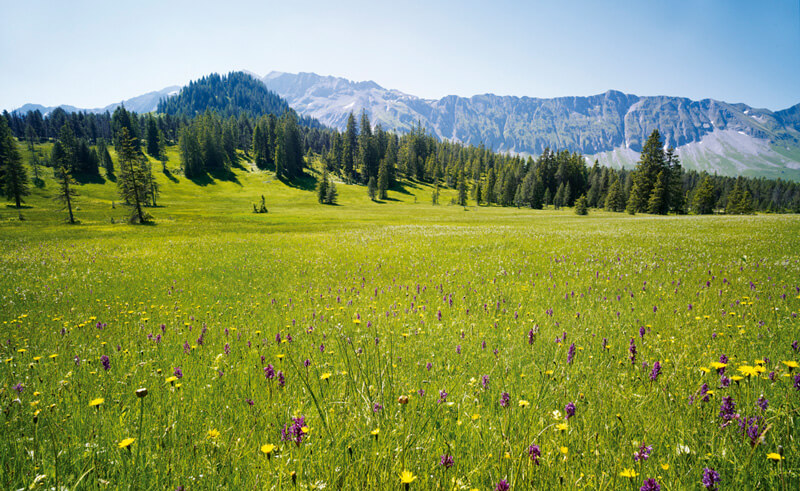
x,y
369,313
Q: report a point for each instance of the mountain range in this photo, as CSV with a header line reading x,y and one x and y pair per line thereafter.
x,y
709,135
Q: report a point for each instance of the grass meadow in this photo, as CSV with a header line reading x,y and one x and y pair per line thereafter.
x,y
392,345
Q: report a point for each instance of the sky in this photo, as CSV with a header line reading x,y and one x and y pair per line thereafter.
x,y
92,53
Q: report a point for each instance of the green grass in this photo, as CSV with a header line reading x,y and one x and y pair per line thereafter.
x,y
312,271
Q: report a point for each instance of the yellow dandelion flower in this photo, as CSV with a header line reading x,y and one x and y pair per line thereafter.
x,y
476,416
126,443
407,477
267,448
325,376
628,473
717,365
305,429
171,379
96,402
564,450
775,456
665,467
562,427
375,432
523,403
213,433
791,364
748,370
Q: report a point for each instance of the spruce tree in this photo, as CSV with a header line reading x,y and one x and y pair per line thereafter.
x,y
66,190
462,189
658,204
651,163
350,147
322,187
331,195
383,179
615,199
14,177
152,137
491,180
133,181
435,194
581,207
704,197
372,188
558,200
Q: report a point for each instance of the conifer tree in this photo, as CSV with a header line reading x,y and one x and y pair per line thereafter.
x,y
658,204
331,195
372,188
435,194
581,207
152,137
491,180
383,179
133,181
322,187
350,146
462,189
558,200
615,199
651,162
704,198
14,177
66,190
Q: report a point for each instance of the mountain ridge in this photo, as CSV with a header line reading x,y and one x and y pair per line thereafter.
x,y
602,126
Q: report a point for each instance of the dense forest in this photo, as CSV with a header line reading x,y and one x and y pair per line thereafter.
x,y
218,120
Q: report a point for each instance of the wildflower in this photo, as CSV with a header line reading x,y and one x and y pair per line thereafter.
x,y
531,336
375,432
106,362
446,461
186,348
796,346
762,402
727,409
710,478
295,431
571,353
281,379
126,443
325,376
650,485
604,344
442,396
534,452
628,473
403,399
523,403
643,453
797,382
656,371
19,388
775,456
428,366
569,410
641,332
458,349
407,477
213,433
376,407
505,399
724,381
267,449
632,351
485,382
562,427
502,486
96,402
790,364
704,392
269,372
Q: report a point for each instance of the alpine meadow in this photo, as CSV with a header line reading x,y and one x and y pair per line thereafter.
x,y
303,282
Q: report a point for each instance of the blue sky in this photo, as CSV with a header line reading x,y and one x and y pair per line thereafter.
x,y
92,53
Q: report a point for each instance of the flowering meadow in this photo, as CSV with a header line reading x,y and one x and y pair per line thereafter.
x,y
486,349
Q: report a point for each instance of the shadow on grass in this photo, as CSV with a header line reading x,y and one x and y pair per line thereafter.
x,y
89,178
21,207
303,182
224,175
170,175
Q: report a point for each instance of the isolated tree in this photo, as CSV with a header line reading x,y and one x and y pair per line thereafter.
x,y
14,177
372,188
331,195
462,189
704,197
322,187
383,179
133,181
66,190
581,206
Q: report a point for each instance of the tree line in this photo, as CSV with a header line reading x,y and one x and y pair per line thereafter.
x,y
380,159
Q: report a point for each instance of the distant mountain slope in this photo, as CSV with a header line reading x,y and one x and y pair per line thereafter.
x,y
141,104
612,127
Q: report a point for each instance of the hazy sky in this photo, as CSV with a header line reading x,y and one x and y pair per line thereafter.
x,y
93,53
